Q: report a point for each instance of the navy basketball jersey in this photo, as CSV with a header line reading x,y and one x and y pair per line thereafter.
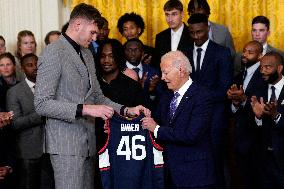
x,y
130,158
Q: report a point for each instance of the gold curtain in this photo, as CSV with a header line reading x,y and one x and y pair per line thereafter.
x,y
236,14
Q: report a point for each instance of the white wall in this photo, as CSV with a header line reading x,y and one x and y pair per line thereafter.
x,y
38,16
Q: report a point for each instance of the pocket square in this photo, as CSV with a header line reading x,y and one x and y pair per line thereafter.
x,y
282,103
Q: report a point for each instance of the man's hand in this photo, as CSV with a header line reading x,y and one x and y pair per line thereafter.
x,y
134,111
270,109
5,118
148,123
102,111
257,106
4,171
153,83
236,95
146,59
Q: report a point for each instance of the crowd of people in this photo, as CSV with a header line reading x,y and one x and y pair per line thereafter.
x,y
216,112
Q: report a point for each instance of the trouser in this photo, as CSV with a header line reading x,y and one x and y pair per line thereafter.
x,y
73,172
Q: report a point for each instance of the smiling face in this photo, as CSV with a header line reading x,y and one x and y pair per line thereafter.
x,y
171,75
271,71
107,62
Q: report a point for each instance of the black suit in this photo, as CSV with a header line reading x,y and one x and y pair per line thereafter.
x,y
273,137
216,73
163,42
248,134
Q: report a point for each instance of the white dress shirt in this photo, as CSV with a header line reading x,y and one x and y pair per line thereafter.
x,y
130,66
175,37
30,84
203,47
181,92
250,72
264,51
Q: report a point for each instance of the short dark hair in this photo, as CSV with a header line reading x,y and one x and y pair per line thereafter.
x,y
200,4
277,56
25,57
198,18
85,11
2,38
261,20
173,4
134,40
133,17
117,52
8,55
46,39
64,27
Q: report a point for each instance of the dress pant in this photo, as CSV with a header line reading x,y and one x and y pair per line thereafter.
x,y
273,177
73,172
29,173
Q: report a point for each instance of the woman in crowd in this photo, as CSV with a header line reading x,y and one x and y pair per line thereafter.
x,y
26,44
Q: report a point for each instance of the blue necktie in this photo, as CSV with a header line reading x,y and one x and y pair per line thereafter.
x,y
173,104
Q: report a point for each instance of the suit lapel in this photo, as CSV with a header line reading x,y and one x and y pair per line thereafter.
x,y
182,38
28,94
208,53
168,43
253,79
281,96
187,95
89,64
76,60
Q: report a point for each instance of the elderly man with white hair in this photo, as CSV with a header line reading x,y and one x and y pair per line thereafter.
x,y
182,124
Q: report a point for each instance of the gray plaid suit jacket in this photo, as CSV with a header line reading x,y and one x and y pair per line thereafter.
x,y
63,82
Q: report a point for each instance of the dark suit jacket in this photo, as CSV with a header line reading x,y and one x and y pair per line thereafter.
x,y
217,75
273,134
186,138
27,124
163,42
247,132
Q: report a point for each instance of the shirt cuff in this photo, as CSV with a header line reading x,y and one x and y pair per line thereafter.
x,y
277,119
234,108
79,110
258,121
156,131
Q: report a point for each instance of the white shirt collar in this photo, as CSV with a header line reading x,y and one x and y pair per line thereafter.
x,y
252,69
130,66
279,85
184,87
178,32
264,48
30,83
204,46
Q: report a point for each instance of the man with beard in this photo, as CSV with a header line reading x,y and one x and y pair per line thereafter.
x,y
247,132
268,108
